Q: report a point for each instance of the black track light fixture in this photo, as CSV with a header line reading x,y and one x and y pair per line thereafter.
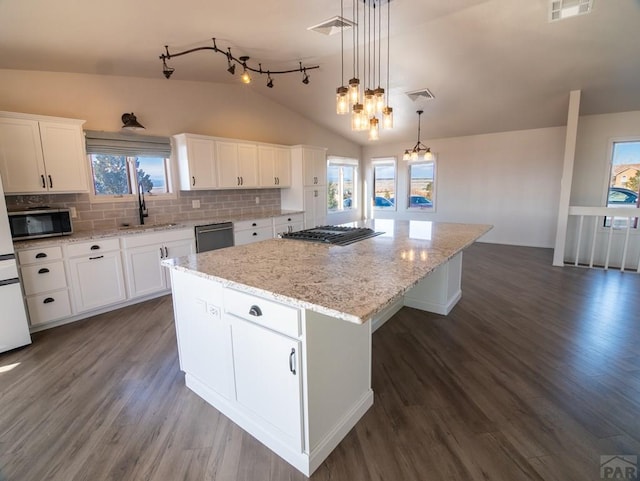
x,y
232,62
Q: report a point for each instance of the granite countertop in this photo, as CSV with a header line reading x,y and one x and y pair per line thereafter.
x,y
81,236
351,282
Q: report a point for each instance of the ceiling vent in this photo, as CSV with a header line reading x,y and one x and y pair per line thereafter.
x,y
332,26
561,9
424,94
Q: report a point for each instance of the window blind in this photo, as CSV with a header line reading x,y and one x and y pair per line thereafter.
x,y
116,143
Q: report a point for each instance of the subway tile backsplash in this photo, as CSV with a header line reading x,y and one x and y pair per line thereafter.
x,y
214,204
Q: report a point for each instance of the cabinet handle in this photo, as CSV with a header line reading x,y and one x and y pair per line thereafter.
x,y
241,181
44,270
255,311
193,180
290,228
50,182
289,219
292,361
40,255
254,224
48,300
255,233
161,253
94,258
44,184
315,193
94,247
237,180
166,251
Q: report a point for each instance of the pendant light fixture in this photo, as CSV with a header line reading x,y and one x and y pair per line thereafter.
x,y
129,122
368,100
419,149
342,92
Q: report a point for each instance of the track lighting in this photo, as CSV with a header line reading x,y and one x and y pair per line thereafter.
x,y
231,65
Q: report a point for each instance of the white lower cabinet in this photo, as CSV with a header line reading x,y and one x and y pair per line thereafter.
x,y
143,254
97,280
296,380
315,206
268,379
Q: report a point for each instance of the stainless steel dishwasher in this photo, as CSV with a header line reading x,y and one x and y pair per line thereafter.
x,y
214,236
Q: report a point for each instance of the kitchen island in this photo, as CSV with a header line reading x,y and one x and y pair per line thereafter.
x,y
277,335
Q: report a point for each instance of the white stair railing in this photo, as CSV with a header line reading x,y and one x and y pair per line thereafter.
x,y
603,237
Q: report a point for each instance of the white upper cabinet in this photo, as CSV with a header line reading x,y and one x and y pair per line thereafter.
x,y
197,166
274,164
42,154
314,166
237,164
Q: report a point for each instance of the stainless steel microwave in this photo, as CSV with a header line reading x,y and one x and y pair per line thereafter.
x,y
40,222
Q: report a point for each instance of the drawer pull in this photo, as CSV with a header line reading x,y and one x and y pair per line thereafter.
x,y
255,233
44,270
292,361
255,311
40,255
44,184
94,247
50,182
254,224
48,300
161,253
94,258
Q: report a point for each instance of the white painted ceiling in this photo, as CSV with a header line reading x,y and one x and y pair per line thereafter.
x,y
493,65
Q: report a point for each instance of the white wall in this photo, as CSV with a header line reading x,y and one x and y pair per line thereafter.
x,y
165,107
510,180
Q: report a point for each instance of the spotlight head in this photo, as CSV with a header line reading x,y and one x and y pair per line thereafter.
x,y
232,68
270,83
168,71
305,79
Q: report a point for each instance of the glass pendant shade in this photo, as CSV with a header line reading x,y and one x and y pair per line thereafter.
x,y
246,79
379,99
358,118
374,132
387,118
414,155
354,91
342,100
369,102
428,155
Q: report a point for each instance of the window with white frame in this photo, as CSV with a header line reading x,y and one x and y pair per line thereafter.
x,y
421,186
342,181
123,165
384,184
624,181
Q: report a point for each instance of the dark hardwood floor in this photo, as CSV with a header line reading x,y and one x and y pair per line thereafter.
x,y
533,376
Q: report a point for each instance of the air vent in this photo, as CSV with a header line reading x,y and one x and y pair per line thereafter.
x,y
332,26
421,94
561,9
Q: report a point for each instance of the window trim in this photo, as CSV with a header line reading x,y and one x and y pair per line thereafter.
x,y
408,207
335,161
384,161
115,198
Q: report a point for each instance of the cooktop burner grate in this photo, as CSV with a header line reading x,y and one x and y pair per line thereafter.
x,y
331,234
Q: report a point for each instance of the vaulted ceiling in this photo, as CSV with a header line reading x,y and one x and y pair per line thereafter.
x,y
493,65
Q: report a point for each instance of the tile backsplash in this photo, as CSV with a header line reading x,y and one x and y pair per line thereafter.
x,y
214,204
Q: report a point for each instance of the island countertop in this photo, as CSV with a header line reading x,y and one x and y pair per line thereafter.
x,y
352,282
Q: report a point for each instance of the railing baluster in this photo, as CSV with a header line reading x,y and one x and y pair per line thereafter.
x,y
609,237
626,245
593,240
579,241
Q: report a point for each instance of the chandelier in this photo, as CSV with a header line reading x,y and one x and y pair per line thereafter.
x,y
367,100
232,61
419,149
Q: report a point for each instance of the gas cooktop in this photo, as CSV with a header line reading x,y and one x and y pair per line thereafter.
x,y
332,234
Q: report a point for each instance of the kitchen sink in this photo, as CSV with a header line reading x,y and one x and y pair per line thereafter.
x,y
147,226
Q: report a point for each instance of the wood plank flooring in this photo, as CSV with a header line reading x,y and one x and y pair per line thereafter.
x,y
533,376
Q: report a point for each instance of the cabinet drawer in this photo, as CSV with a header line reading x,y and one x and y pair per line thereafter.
x,y
252,224
44,254
43,278
285,220
92,247
270,314
253,235
48,307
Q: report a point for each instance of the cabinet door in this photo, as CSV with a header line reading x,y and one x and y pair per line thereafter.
x,y
315,206
227,156
283,167
314,166
202,163
267,166
64,159
248,165
268,378
21,160
177,249
145,275
97,281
